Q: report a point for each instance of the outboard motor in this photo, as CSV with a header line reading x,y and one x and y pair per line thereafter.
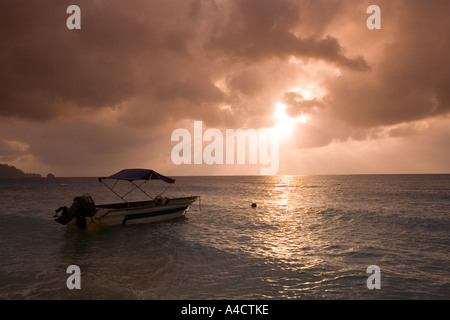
x,y
81,208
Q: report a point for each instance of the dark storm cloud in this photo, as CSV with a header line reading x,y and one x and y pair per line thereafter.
x,y
195,90
298,105
138,69
126,49
255,31
173,52
248,82
47,68
11,149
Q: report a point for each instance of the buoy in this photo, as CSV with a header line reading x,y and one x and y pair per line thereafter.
x,y
253,205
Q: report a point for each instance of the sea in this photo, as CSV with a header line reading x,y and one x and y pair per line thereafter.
x,y
312,237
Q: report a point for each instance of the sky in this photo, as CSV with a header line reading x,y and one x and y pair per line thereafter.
x,y
340,98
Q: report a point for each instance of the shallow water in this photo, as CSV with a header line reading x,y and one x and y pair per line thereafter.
x,y
310,237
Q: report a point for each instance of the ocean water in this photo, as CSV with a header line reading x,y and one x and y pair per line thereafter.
x,y
310,237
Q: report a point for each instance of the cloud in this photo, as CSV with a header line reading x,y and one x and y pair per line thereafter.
x,y
139,69
47,67
410,74
10,150
298,105
416,150
265,31
135,49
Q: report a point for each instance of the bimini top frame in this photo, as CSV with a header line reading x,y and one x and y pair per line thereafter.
x,y
132,175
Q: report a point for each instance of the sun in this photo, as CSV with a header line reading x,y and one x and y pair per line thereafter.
x,y
285,124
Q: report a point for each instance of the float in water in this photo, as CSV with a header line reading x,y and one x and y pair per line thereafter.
x,y
85,214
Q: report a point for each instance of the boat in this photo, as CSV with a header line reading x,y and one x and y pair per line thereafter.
x,y
85,214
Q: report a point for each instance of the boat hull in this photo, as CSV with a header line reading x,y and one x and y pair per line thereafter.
x,y
137,213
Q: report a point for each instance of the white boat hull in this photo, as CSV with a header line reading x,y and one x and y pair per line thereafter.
x,y
137,212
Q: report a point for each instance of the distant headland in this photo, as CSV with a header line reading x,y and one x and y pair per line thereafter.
x,y
7,171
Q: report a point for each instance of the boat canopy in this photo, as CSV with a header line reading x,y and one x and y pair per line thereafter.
x,y
138,174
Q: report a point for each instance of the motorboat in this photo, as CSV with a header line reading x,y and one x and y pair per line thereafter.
x,y
85,214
